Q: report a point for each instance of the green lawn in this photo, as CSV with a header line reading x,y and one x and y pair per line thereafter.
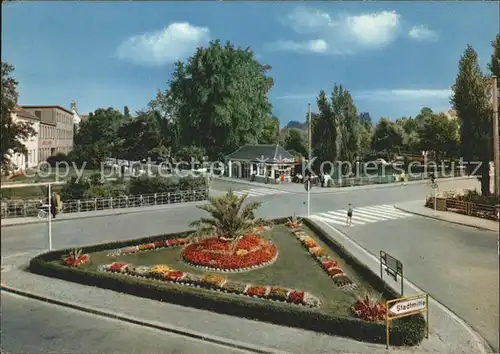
x,y
294,268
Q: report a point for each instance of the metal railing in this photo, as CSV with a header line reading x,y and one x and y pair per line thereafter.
x,y
363,181
30,207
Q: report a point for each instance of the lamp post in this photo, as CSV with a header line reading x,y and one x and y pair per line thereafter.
x,y
496,153
309,138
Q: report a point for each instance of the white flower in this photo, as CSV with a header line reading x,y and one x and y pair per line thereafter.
x,y
311,300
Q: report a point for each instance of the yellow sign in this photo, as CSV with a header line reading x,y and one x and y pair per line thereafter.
x,y
406,306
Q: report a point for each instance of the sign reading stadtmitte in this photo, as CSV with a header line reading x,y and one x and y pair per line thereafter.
x,y
407,306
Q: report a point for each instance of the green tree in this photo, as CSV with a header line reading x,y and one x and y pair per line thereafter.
x,y
325,131
220,91
387,137
438,133
270,130
190,153
494,64
471,102
365,119
102,126
410,127
140,136
126,111
12,133
295,142
348,123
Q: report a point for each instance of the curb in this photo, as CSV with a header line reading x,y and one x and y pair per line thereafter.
x,y
331,190
40,221
440,219
170,329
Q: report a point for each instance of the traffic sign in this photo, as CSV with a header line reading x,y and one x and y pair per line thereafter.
x,y
408,306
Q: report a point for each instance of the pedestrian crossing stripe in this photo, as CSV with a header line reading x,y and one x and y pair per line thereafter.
x,y
361,216
259,192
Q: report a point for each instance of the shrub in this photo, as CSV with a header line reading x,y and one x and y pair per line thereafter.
x,y
59,157
192,183
150,185
75,189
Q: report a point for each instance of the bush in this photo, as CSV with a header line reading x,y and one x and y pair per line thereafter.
x,y
75,189
59,157
158,184
404,331
477,198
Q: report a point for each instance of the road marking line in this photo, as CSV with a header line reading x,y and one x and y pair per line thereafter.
x,y
334,215
368,214
384,213
394,210
325,220
356,217
457,319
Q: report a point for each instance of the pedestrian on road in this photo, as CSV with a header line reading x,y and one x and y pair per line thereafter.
x,y
349,215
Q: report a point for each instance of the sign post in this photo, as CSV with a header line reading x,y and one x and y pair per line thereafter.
x,y
434,187
308,186
393,267
406,306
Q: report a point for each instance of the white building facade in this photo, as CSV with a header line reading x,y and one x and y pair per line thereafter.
x,y
30,158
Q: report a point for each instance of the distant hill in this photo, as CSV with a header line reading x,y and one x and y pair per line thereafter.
x,y
295,124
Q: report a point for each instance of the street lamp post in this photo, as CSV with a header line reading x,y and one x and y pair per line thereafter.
x,y
496,153
309,133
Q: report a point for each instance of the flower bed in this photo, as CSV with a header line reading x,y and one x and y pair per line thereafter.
x,y
173,242
75,259
249,252
214,282
328,264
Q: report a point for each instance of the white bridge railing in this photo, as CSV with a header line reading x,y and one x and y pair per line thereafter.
x,y
30,207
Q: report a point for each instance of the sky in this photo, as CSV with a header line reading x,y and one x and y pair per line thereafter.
x,y
394,57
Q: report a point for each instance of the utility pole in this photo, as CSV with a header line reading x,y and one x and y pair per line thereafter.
x,y
309,138
496,153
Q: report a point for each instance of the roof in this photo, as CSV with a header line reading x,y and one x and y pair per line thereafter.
x,y
21,112
269,153
41,107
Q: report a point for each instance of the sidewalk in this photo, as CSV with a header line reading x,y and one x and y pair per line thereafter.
x,y
97,213
418,208
299,188
448,334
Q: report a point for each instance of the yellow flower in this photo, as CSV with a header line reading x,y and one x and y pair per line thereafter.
x,y
216,280
160,269
241,252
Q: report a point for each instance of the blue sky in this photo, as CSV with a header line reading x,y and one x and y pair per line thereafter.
x,y
393,57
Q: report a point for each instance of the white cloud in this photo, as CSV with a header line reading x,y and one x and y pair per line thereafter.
x,y
342,34
310,46
422,33
172,43
403,95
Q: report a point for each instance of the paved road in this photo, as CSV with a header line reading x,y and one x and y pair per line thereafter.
x,y
30,326
457,265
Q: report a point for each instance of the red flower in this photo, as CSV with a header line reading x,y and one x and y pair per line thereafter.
x,y
116,267
174,275
160,243
329,263
335,271
296,297
256,290
370,311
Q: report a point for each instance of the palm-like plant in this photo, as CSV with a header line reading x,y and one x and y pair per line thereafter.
x,y
230,219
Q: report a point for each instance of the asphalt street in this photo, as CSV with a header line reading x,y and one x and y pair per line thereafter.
x,y
31,326
456,265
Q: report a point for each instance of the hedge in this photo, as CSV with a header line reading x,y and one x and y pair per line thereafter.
x,y
404,331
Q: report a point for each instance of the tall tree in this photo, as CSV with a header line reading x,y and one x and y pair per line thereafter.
x,y
348,123
324,131
471,102
295,142
438,133
126,111
220,91
387,137
12,133
140,137
494,64
270,130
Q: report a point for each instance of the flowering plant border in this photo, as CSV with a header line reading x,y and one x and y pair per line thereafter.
x,y
75,258
155,245
328,264
213,282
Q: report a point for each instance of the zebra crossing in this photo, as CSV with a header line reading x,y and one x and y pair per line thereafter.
x,y
259,192
362,215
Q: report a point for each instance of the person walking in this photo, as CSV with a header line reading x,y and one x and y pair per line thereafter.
x,y
55,204
349,215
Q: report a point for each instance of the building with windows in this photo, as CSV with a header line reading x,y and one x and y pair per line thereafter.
x,y
57,125
30,158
